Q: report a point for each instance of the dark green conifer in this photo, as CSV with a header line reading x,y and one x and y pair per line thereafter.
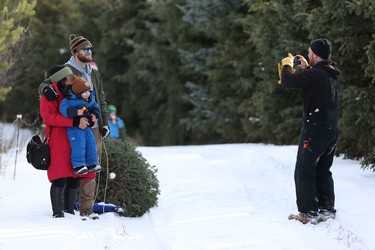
x,y
135,187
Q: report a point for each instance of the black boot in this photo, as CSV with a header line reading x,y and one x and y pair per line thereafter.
x,y
70,198
57,201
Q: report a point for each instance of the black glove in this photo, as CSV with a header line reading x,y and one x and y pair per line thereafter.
x,y
76,121
105,132
49,93
91,122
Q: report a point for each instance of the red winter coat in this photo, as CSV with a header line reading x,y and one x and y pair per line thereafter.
x,y
60,166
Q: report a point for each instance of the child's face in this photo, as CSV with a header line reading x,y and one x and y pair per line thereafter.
x,y
112,115
86,94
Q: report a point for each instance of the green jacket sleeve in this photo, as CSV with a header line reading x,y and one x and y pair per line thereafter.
x,y
100,97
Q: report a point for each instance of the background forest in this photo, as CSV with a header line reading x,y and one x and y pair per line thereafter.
x,y
196,71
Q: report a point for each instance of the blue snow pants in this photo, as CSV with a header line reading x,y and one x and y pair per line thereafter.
x,y
83,146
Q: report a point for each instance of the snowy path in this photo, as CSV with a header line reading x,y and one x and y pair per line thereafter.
x,y
234,196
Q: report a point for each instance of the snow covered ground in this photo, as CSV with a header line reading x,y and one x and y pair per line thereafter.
x,y
232,196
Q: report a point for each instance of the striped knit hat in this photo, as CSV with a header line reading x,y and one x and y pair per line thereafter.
x,y
77,43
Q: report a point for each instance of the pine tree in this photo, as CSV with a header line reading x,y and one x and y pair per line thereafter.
x,y
45,44
114,51
135,186
13,26
150,83
226,66
275,29
356,20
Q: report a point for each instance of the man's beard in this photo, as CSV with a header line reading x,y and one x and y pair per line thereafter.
x,y
311,62
84,59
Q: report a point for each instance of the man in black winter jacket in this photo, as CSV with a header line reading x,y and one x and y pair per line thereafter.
x,y
319,83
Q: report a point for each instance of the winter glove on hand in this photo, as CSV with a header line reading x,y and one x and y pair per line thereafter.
x,y
287,61
105,132
91,122
49,93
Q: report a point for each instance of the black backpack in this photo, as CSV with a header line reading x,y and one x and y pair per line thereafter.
x,y
38,153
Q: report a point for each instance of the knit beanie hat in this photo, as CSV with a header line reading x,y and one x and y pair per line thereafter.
x,y
77,43
79,85
322,48
111,108
58,72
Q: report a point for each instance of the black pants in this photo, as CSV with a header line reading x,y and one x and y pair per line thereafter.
x,y
68,183
63,195
312,175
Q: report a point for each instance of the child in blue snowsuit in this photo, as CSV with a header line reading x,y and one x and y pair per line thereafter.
x,y
80,101
115,123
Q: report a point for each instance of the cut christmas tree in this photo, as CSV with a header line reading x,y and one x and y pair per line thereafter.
x,y
127,179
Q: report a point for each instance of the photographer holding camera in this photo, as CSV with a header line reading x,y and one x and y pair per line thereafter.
x,y
319,83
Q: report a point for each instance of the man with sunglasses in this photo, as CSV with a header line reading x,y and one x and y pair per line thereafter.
x,y
79,63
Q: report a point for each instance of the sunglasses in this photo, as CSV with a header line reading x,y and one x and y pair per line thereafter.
x,y
86,50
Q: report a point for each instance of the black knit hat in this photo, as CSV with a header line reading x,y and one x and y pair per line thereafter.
x,y
77,43
322,48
